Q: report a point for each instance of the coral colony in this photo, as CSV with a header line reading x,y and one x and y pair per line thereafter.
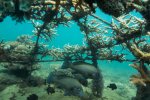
x,y
80,63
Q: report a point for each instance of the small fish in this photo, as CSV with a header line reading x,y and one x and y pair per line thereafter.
x,y
50,90
112,86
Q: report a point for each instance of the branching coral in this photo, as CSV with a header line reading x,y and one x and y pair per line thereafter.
x,y
101,38
142,55
17,56
143,6
140,49
69,52
143,78
142,81
128,28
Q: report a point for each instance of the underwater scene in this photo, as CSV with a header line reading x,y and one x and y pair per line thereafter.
x,y
74,49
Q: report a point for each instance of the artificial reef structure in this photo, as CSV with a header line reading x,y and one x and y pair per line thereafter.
x,y
100,41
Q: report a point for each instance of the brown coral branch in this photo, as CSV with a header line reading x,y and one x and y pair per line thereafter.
x,y
139,69
143,78
138,53
135,79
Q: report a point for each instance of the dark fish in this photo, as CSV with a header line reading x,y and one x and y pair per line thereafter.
x,y
112,86
32,97
50,90
66,64
81,79
59,74
86,69
71,86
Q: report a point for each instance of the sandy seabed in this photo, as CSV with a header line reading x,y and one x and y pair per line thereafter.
x,y
125,90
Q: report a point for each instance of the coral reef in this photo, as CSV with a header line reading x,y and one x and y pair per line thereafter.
x,y
19,51
101,42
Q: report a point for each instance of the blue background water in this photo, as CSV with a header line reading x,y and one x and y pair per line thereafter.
x,y
9,30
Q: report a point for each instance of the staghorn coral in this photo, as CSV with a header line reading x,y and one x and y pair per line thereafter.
x,y
140,54
143,78
139,51
101,38
143,6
